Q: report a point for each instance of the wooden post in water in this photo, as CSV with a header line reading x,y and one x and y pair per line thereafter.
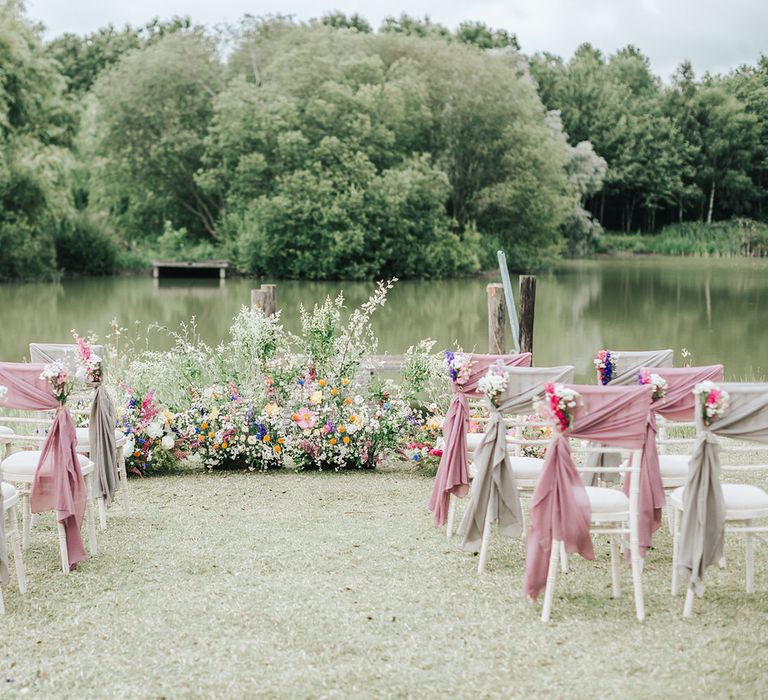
x,y
497,318
527,309
265,299
270,303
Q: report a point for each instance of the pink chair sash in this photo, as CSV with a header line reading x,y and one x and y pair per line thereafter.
x,y
58,483
678,404
453,473
560,510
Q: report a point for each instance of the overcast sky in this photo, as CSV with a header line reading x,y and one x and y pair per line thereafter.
x,y
715,35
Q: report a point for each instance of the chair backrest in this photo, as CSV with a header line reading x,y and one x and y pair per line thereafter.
x,y
630,362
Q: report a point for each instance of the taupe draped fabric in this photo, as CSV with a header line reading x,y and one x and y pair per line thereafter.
x,y
703,521
101,424
630,362
494,483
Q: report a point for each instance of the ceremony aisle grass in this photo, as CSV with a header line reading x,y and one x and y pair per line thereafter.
x,y
336,585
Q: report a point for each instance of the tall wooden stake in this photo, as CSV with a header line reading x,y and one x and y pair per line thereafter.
x,y
270,304
527,309
497,318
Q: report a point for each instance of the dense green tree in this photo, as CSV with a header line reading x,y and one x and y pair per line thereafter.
x,y
145,133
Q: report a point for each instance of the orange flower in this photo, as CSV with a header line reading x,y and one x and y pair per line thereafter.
x,y
352,419
294,416
346,439
341,428
267,438
321,382
345,381
278,449
216,446
137,453
204,425
224,445
333,441
347,401
334,391
281,440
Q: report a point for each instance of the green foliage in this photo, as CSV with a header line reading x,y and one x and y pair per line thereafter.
x,y
84,246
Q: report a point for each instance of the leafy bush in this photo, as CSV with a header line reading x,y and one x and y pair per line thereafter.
x,y
84,246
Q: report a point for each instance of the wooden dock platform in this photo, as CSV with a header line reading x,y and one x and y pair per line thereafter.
x,y
207,268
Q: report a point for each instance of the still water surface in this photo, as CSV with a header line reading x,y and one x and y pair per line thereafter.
x,y
717,309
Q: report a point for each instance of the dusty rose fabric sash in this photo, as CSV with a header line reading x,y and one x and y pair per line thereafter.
x,y
58,483
560,509
453,474
678,404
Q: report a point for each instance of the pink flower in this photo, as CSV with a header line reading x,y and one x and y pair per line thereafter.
x,y
305,418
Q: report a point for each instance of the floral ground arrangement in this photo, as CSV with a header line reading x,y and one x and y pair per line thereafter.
x,y
336,585
266,399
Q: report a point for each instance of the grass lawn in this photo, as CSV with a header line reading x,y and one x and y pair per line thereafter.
x,y
337,585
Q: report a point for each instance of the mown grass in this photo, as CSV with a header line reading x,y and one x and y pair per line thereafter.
x,y
740,237
337,585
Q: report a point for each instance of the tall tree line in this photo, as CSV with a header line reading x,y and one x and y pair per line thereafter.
x,y
329,150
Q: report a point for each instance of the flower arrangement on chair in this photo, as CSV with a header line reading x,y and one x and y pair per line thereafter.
x,y
559,404
459,365
657,381
88,362
713,400
3,391
605,362
493,384
55,373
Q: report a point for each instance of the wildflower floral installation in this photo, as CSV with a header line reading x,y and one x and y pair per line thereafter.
x,y
656,380
713,400
3,392
605,362
559,404
459,366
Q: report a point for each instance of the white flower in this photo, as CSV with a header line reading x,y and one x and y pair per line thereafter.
x,y
155,429
130,444
168,442
252,440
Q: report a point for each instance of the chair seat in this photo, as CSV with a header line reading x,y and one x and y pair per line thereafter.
x,y
6,432
10,495
21,466
84,439
742,501
526,468
473,441
674,468
607,505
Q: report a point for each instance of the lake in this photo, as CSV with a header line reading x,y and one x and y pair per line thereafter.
x,y
716,309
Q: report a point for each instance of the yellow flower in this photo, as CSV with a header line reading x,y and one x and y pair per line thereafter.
x,y
341,428
352,419
267,438
346,439
204,425
334,391
210,434
278,448
321,382
345,381
333,441
224,445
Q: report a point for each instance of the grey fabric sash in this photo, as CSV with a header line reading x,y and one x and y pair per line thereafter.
x,y
630,362
494,483
101,425
703,522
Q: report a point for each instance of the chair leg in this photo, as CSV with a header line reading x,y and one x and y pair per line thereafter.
x,y
675,545
18,560
26,520
92,543
486,540
451,516
749,547
670,519
63,548
124,479
637,579
549,591
563,558
615,567
688,607
102,513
